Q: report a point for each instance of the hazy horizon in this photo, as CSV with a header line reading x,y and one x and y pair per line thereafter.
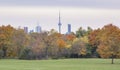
x,y
78,13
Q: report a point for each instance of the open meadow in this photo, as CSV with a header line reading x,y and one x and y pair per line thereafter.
x,y
61,64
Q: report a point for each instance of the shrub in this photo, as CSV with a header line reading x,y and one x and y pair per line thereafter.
x,y
1,54
26,53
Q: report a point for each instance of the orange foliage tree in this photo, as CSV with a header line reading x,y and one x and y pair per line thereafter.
x,y
61,43
107,41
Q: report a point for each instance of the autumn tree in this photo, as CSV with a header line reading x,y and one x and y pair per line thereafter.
x,y
50,41
58,44
107,41
20,40
78,48
61,43
94,42
69,38
6,33
37,45
110,39
83,35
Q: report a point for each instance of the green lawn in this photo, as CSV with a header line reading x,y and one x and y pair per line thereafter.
x,y
61,64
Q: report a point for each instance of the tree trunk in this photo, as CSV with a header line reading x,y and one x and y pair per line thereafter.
x,y
4,52
46,52
112,59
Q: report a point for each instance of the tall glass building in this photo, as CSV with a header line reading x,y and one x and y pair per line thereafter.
x,y
26,29
69,28
38,29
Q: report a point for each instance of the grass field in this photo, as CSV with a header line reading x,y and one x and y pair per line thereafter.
x,y
61,64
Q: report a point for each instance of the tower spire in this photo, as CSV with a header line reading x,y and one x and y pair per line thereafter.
x,y
59,24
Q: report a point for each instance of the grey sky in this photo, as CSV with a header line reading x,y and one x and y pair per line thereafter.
x,y
93,13
72,3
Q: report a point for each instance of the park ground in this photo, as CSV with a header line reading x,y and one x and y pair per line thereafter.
x,y
60,64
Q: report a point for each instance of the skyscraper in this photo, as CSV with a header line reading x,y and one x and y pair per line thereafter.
x,y
69,28
59,24
38,28
26,29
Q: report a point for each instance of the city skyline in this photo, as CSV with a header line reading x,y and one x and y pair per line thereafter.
x,y
38,29
78,13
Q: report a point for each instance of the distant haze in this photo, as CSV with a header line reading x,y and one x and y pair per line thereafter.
x,y
78,13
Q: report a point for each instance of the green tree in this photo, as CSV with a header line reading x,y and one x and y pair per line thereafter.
x,y
80,32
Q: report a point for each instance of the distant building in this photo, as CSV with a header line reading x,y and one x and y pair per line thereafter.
x,y
69,28
38,29
31,31
26,29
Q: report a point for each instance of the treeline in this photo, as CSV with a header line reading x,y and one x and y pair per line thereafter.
x,y
104,42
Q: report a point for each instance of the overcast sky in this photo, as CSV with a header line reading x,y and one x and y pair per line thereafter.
x,y
93,13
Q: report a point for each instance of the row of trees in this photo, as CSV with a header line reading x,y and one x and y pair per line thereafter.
x,y
15,43
104,43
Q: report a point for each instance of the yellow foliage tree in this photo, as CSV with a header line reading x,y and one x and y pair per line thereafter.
x,y
6,33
